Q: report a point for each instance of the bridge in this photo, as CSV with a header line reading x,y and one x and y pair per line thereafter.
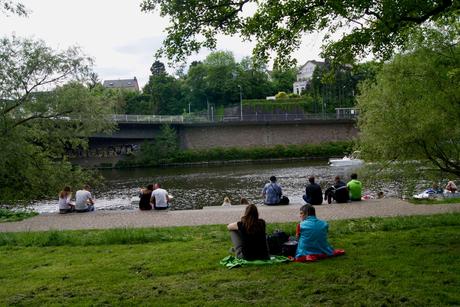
x,y
194,132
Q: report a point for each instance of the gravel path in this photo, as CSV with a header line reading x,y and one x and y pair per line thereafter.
x,y
218,215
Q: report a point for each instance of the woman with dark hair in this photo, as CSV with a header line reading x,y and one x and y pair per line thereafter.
x,y
249,237
144,198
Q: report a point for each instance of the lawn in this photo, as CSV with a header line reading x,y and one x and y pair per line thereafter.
x,y
389,261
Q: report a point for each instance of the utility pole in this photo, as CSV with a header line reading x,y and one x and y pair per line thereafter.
x,y
241,102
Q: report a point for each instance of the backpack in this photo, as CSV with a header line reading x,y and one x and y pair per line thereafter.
x,y
275,242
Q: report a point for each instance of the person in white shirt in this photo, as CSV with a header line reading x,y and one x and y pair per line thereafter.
x,y
65,206
160,198
83,200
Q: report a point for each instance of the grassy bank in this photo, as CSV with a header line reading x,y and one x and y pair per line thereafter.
x,y
391,261
324,150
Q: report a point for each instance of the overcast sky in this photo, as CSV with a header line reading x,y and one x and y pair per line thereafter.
x,y
116,34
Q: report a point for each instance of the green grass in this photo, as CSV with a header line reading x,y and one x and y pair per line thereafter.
x,y
13,216
390,261
435,201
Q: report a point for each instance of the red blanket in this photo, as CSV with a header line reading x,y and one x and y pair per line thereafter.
x,y
315,257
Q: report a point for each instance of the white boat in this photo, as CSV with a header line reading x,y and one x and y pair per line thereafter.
x,y
351,160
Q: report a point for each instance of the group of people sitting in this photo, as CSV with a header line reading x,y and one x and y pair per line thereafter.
x,y
154,197
249,236
340,191
151,197
84,201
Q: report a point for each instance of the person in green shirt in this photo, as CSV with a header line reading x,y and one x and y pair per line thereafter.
x,y
354,187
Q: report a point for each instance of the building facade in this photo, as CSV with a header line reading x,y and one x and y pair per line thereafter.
x,y
304,76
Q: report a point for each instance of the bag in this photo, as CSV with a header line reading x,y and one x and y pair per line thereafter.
x,y
289,248
275,242
284,200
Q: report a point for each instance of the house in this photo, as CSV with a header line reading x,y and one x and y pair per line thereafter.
x,y
126,84
305,75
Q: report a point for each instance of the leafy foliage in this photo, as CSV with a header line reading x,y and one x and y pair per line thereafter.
x,y
412,111
44,111
368,26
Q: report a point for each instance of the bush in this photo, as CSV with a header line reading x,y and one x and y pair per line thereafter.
x,y
281,95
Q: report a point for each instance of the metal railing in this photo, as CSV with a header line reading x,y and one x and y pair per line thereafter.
x,y
261,117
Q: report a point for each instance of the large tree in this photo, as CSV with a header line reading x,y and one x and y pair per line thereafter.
x,y
366,25
45,110
412,108
12,7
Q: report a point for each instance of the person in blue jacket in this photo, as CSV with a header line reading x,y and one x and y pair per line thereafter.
x,y
312,234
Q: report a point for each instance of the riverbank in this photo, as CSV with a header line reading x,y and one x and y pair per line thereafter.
x,y
150,155
218,215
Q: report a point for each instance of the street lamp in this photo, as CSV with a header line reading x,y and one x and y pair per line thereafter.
x,y
241,102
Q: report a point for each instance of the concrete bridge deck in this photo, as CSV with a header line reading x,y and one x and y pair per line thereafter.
x,y
218,215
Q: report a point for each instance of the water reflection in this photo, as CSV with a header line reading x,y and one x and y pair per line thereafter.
x,y
197,187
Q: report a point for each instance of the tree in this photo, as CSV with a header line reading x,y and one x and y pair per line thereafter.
x,y
411,110
44,111
157,68
13,7
166,94
367,26
283,78
253,77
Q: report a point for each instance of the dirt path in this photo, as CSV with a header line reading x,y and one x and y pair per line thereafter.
x,y
218,215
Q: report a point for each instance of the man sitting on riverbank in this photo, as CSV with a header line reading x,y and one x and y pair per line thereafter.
x,y
355,187
83,200
313,193
160,198
338,192
272,193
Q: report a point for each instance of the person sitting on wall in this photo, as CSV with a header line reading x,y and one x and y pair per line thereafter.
x,y
227,202
249,236
273,194
451,187
84,200
144,198
313,193
65,206
355,187
160,198
338,192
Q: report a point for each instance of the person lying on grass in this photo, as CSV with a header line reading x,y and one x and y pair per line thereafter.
x,y
311,234
249,236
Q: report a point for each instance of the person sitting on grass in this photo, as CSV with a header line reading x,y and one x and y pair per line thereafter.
x,y
65,206
83,200
312,237
249,236
311,234
355,187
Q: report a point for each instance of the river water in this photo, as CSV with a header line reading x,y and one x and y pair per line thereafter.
x,y
199,186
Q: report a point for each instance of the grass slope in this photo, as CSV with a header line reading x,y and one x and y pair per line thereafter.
x,y
389,261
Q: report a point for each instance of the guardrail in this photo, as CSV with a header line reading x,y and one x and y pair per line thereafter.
x,y
264,117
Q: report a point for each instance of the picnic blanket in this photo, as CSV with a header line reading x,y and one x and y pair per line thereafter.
x,y
233,262
316,257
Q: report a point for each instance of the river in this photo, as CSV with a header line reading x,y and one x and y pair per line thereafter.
x,y
199,186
